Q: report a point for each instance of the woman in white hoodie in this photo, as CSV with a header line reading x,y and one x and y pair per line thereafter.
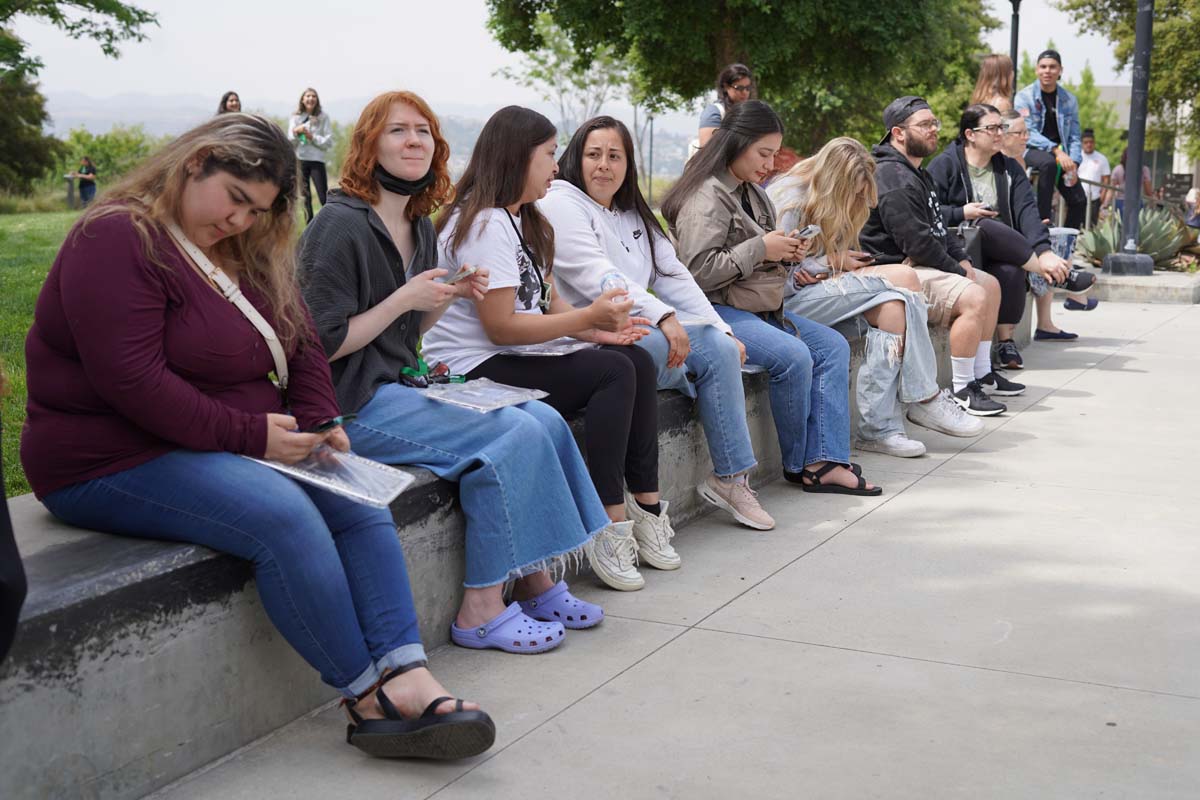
x,y
602,224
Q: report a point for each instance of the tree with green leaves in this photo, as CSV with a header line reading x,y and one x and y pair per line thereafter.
x,y
114,153
828,68
1175,60
107,22
579,86
26,152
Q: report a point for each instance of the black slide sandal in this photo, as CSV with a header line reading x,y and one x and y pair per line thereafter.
x,y
459,734
816,487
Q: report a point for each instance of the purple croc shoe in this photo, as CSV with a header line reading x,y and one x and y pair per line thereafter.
x,y
510,631
556,604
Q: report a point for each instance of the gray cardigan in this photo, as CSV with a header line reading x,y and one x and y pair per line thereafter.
x,y
348,264
319,140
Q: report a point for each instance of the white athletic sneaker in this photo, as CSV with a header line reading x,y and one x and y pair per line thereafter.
x,y
613,556
738,499
653,535
897,445
944,415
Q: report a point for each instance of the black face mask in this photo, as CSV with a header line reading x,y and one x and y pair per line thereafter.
x,y
400,186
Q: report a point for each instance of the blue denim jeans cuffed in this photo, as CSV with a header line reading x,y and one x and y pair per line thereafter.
x,y
809,386
715,366
885,379
330,571
523,484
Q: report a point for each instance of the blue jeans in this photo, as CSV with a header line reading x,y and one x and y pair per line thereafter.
x,y
809,387
886,379
330,571
714,365
523,485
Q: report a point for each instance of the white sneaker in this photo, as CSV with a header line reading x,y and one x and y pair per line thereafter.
x,y
944,415
897,445
653,535
738,499
613,555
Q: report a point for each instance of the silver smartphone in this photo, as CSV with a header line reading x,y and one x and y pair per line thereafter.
x,y
462,274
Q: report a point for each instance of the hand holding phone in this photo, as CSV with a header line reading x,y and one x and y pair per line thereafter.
x,y
463,273
808,232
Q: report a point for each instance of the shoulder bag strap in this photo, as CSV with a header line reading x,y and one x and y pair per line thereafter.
x,y
234,295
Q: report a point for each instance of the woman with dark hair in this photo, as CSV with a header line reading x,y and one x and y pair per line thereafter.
x,y
494,223
602,224
230,103
310,130
980,186
724,225
86,175
148,383
1118,182
735,85
369,268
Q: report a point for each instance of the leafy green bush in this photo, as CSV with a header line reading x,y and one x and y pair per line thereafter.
x,y
114,153
1161,235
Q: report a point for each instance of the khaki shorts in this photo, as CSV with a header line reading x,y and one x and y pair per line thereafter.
x,y
942,290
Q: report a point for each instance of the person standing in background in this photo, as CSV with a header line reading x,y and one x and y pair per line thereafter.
x,y
1093,167
230,103
311,132
86,174
735,85
995,84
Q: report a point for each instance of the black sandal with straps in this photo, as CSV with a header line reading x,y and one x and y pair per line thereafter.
x,y
810,481
458,734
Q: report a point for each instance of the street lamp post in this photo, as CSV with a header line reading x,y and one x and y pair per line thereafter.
x,y
1012,48
1130,261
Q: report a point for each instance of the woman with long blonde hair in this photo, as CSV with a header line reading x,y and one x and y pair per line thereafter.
x,y
835,190
148,380
995,83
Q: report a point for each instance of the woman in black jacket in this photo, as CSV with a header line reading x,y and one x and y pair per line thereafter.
x,y
980,186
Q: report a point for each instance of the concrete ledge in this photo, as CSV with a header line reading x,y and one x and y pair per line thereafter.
x,y
138,662
1181,288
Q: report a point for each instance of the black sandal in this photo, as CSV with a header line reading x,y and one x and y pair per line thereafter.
x,y
816,487
459,734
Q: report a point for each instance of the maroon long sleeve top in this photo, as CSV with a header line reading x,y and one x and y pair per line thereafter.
x,y
127,361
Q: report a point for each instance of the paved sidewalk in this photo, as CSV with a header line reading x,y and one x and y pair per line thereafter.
x,y
1018,616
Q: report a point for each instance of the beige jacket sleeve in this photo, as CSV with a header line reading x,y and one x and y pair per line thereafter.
x,y
712,242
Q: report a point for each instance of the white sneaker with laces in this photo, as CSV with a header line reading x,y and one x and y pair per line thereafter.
x,y
897,445
653,535
613,556
736,497
944,415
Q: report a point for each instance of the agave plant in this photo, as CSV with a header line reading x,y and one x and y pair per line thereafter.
x,y
1161,236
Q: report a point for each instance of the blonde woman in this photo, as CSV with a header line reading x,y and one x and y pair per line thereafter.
x,y
835,190
146,385
996,81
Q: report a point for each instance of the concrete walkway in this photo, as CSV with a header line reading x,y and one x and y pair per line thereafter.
x,y
1018,616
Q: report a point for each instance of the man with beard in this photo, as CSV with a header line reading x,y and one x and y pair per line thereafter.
x,y
906,227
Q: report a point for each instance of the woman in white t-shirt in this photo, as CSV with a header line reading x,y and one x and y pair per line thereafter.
x,y
601,224
494,223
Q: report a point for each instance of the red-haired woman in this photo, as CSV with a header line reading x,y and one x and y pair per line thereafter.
x,y
369,271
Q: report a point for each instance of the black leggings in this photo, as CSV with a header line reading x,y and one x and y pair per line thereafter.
x,y
1075,197
1004,251
316,171
617,390
12,581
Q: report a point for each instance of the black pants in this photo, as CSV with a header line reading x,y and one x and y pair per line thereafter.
x,y
12,580
1004,251
616,389
316,171
1074,196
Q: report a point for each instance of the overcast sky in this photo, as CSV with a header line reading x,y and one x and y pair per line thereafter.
x,y
269,50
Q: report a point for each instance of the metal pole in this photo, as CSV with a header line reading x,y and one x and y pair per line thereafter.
x,y
1137,122
650,169
1012,49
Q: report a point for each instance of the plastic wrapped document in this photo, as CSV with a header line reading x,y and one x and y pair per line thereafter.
x,y
347,474
482,395
558,347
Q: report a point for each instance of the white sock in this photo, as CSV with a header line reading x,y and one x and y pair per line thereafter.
x,y
962,372
983,359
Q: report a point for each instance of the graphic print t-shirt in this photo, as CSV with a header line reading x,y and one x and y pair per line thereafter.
x,y
458,339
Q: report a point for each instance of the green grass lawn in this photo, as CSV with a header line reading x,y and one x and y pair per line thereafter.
x,y
28,244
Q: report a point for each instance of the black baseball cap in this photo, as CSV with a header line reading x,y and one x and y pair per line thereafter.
x,y
898,111
1049,54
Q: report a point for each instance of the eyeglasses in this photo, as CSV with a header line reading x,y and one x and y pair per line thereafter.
x,y
928,125
1024,134
743,88
992,129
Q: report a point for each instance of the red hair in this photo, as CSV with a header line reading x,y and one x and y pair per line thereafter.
x,y
358,171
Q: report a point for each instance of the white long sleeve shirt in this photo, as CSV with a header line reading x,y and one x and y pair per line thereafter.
x,y
591,240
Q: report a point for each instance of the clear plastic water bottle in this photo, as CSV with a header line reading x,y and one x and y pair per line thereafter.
x,y
613,279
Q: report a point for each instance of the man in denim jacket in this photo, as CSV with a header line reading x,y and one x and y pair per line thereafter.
x,y
1052,116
